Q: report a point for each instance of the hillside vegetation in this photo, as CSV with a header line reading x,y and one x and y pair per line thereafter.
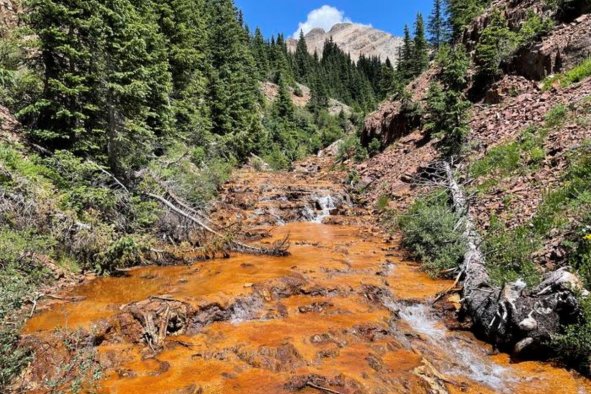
x,y
520,149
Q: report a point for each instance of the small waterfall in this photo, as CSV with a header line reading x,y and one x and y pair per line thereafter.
x,y
463,359
326,205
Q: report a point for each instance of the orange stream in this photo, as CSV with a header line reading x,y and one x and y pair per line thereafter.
x,y
261,356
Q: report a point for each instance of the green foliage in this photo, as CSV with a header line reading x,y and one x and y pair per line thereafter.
x,y
438,26
570,77
382,203
522,155
351,149
374,147
462,12
12,358
509,253
431,233
556,116
496,43
20,275
579,250
533,27
420,57
575,342
447,108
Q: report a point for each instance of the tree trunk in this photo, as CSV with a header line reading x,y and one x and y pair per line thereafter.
x,y
514,317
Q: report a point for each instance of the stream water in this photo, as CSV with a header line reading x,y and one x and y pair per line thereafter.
x,y
343,312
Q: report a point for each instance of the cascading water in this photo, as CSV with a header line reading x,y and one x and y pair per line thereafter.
x,y
461,358
325,206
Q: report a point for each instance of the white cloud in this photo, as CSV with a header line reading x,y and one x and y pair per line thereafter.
x,y
324,17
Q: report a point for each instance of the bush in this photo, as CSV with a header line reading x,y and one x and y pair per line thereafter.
x,y
351,148
509,253
431,233
575,341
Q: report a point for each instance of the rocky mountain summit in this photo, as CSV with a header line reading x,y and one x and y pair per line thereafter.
x,y
355,39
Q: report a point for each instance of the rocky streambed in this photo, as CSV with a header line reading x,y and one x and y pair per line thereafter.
x,y
344,313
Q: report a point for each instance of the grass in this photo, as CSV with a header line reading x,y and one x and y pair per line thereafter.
x,y
570,77
524,154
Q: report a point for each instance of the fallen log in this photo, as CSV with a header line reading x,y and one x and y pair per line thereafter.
x,y
279,249
516,318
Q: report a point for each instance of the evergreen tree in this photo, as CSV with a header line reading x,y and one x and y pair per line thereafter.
x,y
447,106
302,60
107,82
387,80
496,43
233,87
420,57
405,63
67,35
283,106
462,12
260,53
183,25
438,24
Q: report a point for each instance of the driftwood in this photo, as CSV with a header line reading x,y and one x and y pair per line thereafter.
x,y
514,317
183,210
279,249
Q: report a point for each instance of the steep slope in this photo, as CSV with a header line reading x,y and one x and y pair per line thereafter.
x,y
524,165
355,39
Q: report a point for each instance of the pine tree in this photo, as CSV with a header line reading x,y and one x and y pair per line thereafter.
x,y
260,53
283,105
302,60
67,36
462,12
134,88
183,25
496,43
405,63
107,82
420,57
447,107
438,24
387,80
233,87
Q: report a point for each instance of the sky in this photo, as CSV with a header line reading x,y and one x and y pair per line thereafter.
x,y
289,16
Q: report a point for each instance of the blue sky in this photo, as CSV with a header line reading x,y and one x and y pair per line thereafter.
x,y
284,16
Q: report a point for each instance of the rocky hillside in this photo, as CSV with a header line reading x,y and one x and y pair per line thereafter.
x,y
355,39
524,161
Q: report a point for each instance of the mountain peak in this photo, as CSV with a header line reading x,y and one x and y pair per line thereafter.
x,y
353,38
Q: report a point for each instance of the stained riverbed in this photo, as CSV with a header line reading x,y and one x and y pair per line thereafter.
x,y
344,312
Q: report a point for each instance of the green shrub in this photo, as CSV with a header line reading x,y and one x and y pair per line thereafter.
x,y
556,116
382,202
431,232
533,27
12,358
574,343
374,147
503,157
351,148
524,154
497,42
509,253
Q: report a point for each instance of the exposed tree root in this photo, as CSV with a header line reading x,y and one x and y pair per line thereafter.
x,y
513,317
